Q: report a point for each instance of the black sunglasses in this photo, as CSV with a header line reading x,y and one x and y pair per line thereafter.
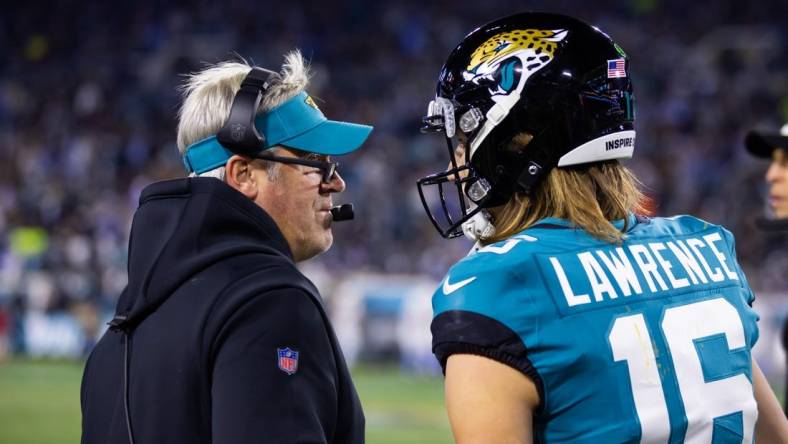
x,y
328,168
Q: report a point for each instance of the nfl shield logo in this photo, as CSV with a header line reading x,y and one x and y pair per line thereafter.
x,y
288,360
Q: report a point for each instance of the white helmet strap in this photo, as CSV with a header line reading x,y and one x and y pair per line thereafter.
x,y
495,115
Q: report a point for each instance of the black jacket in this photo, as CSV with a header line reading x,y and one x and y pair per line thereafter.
x,y
213,296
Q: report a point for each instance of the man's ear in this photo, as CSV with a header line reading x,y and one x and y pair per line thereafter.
x,y
238,174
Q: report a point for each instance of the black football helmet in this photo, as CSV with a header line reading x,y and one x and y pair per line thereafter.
x,y
562,81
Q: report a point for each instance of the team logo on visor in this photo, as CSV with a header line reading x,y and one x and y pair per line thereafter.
x,y
502,54
311,102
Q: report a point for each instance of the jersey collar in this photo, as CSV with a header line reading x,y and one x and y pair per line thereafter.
x,y
558,223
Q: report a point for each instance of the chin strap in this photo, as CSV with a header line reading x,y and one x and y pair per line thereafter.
x,y
479,226
494,116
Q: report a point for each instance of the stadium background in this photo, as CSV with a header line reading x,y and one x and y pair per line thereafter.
x,y
88,99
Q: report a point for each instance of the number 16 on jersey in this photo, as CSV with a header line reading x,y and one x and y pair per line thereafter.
x,y
631,342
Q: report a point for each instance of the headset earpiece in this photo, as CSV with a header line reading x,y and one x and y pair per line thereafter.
x,y
239,134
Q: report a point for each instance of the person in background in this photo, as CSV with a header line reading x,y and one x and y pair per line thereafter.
x,y
774,146
218,338
576,318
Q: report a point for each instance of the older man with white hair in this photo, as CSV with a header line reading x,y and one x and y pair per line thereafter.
x,y
218,338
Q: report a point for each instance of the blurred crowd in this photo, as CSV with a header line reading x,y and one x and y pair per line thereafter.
x,y
89,98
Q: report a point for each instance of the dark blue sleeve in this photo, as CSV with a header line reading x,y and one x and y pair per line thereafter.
x,y
466,332
257,398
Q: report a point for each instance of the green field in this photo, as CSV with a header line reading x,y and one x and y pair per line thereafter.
x,y
39,403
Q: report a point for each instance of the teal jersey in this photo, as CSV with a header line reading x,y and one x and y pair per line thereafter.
x,y
647,341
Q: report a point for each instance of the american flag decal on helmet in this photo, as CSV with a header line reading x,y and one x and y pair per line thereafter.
x,y
288,360
615,68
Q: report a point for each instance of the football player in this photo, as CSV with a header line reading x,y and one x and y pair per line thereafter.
x,y
576,318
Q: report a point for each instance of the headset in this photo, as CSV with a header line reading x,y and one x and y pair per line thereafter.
x,y
239,134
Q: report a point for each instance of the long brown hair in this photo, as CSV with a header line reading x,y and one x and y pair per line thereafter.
x,y
589,196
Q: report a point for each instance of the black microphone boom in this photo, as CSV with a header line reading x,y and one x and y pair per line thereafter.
x,y
342,212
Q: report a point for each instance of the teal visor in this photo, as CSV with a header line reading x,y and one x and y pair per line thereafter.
x,y
297,123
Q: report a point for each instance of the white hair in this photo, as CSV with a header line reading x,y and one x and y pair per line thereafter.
x,y
208,96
